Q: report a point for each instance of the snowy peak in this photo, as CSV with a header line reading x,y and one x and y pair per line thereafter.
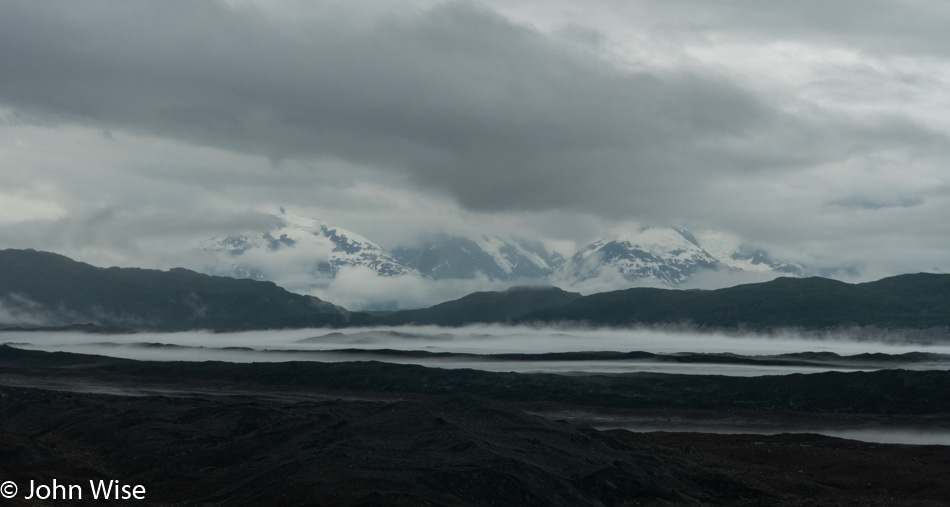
x,y
298,251
669,255
492,258
306,255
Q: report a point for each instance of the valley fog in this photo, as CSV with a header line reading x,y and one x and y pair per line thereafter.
x,y
540,350
507,348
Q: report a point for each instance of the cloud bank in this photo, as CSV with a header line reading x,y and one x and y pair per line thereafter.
x,y
817,131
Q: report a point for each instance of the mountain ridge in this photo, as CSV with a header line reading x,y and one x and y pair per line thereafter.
x,y
48,289
918,300
54,290
304,246
304,254
484,307
672,256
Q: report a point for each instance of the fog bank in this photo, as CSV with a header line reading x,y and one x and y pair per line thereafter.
x,y
485,347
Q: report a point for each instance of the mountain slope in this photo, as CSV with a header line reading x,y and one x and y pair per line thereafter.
x,y
41,288
665,256
305,255
484,307
297,251
668,255
492,258
905,301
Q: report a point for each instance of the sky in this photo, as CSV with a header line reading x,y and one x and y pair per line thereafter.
x,y
818,131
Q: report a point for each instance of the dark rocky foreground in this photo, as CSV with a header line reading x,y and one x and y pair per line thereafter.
x,y
454,451
376,434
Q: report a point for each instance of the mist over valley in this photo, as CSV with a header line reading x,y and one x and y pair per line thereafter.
x,y
517,349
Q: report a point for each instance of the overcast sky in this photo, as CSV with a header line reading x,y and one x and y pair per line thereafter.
x,y
818,130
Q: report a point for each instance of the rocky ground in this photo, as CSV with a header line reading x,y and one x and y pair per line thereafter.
x,y
809,469
372,434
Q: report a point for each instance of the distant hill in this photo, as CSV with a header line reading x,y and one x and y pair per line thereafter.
x,y
906,301
46,289
41,289
485,307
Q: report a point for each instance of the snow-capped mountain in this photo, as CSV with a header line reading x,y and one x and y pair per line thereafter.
x,y
665,254
491,258
298,252
310,256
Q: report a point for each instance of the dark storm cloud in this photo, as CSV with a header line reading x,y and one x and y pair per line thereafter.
x,y
500,116
457,98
